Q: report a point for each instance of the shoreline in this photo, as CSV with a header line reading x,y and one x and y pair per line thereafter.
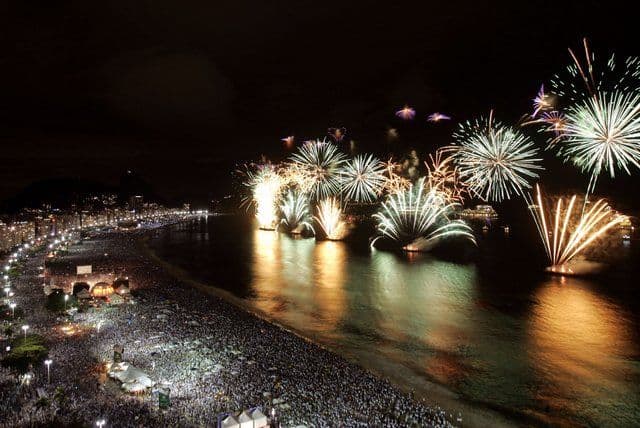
x,y
215,356
428,392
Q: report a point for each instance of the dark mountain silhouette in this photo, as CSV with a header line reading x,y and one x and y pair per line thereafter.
x,y
67,192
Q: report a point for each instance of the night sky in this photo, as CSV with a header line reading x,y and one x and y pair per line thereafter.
x,y
179,91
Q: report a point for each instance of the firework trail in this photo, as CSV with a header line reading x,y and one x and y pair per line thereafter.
x,y
394,181
565,234
444,175
586,77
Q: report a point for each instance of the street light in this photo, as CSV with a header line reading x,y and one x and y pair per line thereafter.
x,y
13,310
25,328
101,423
66,297
48,364
6,291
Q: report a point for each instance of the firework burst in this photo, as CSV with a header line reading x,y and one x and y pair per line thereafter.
x,y
330,219
444,175
556,122
288,141
603,134
266,185
418,218
565,234
542,102
394,181
362,178
437,117
319,162
406,113
297,176
586,76
337,134
295,213
496,161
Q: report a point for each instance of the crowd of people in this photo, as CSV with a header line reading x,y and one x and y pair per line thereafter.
x,y
213,357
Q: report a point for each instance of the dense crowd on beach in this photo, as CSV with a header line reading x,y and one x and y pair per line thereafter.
x,y
212,356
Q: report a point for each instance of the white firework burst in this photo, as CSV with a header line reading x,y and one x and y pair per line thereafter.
x,y
266,186
602,133
330,219
419,217
362,178
496,161
295,213
320,161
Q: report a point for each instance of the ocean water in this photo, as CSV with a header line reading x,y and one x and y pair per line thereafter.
x,y
492,327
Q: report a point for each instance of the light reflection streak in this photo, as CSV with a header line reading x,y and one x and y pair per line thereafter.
x,y
266,265
581,345
428,304
328,291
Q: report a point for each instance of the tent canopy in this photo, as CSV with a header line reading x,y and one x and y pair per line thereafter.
x,y
102,289
132,378
79,286
259,419
245,420
230,422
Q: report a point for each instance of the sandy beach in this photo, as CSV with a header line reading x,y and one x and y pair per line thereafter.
x,y
430,393
214,356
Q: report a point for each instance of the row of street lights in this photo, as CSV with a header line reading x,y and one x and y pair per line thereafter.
x,y
8,293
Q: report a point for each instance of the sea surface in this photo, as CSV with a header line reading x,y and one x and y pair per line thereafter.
x,y
493,328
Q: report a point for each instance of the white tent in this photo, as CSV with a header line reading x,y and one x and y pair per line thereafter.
x,y
230,422
245,420
133,379
259,419
134,387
